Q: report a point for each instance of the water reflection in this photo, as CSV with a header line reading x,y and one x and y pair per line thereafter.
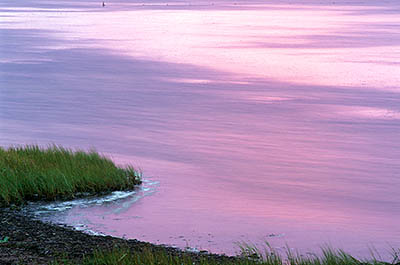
x,y
257,121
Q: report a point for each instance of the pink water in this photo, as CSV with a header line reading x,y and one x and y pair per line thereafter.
x,y
255,121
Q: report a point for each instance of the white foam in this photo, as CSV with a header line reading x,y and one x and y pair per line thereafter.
x,y
45,211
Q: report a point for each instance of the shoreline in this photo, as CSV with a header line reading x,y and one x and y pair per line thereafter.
x,y
35,242
26,240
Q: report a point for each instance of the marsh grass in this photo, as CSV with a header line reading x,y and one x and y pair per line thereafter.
x,y
328,256
147,256
251,255
35,173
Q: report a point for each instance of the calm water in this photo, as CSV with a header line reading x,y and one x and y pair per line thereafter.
x,y
250,121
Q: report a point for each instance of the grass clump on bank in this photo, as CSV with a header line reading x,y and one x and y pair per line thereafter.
x,y
35,173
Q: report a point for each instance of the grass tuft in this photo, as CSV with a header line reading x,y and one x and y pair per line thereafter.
x,y
34,173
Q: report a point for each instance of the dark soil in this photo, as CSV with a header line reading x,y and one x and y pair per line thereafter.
x,y
35,242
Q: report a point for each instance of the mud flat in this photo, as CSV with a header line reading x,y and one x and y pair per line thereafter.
x,y
34,242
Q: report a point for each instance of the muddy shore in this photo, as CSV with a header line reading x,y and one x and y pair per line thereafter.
x,y
35,242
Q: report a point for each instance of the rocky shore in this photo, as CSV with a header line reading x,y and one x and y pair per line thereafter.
x,y
31,241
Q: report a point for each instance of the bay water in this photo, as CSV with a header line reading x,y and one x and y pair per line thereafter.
x,y
251,121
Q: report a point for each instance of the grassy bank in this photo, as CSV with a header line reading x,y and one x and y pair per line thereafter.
x,y
34,173
250,256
